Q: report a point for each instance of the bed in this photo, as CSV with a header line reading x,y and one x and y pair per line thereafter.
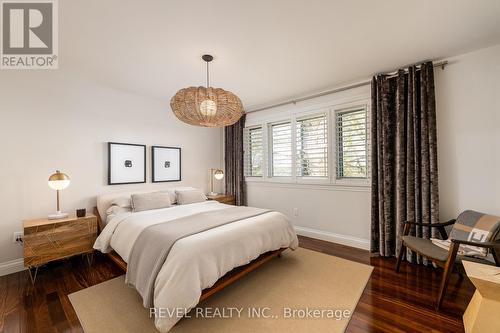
x,y
199,265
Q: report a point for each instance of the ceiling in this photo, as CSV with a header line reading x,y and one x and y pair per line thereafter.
x,y
265,51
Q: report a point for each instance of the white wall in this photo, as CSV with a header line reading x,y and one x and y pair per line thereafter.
x,y
468,116
468,119
62,120
335,213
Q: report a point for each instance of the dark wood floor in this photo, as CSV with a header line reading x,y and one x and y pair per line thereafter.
x,y
390,302
404,301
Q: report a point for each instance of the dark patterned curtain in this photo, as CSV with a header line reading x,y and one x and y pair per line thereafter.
x,y
233,156
404,156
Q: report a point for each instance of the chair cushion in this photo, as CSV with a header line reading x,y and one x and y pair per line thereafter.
x,y
426,248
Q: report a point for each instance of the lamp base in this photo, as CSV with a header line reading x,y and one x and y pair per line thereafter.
x,y
57,216
213,193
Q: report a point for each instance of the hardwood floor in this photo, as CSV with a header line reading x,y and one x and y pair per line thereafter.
x,y
391,302
404,301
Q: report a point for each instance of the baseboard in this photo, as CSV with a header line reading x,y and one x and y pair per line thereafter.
x,y
12,266
359,243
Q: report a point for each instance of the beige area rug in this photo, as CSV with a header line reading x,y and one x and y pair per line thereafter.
x,y
303,291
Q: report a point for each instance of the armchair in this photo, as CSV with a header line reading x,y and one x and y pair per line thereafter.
x,y
466,224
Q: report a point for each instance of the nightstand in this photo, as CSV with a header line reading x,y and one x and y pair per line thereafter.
x,y
223,198
48,240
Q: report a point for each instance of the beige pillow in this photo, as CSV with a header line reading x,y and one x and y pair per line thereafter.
x,y
122,201
185,197
171,194
114,210
148,201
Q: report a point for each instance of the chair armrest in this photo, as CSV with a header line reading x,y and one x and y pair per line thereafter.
x,y
432,225
489,245
442,230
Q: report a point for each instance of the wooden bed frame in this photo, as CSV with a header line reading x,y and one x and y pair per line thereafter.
x,y
224,281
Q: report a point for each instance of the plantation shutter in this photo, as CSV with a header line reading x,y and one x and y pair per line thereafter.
x,y
312,146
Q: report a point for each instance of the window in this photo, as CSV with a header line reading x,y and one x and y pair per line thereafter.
x,y
322,146
253,152
312,146
281,149
351,143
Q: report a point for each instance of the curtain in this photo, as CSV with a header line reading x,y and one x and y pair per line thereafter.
x,y
404,157
233,156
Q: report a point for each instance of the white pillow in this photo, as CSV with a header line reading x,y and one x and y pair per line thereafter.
x,y
185,197
114,210
171,194
148,201
123,201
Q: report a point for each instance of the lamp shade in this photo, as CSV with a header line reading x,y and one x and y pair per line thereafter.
x,y
218,174
206,107
59,181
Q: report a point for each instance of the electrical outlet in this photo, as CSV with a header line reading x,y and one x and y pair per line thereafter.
x,y
295,212
18,237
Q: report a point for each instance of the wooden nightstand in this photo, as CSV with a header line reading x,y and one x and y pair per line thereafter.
x,y
48,240
223,198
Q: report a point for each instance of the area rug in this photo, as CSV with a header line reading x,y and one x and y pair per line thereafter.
x,y
303,291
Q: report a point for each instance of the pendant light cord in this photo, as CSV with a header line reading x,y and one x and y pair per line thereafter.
x,y
208,76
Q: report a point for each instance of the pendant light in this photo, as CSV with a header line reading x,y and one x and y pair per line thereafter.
x,y
206,106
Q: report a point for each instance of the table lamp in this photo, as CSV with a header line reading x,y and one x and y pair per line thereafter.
x,y
58,181
218,174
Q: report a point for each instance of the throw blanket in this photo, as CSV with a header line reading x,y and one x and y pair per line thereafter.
x,y
153,245
463,250
471,226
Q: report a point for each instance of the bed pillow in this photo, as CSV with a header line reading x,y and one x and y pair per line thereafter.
x,y
122,201
115,210
185,197
171,194
148,201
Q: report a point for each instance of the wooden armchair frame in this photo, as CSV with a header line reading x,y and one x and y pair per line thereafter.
x,y
448,264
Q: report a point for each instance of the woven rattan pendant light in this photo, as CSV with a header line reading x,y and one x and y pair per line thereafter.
x,y
206,106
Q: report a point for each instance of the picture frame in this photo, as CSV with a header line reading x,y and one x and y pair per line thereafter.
x,y
166,164
126,163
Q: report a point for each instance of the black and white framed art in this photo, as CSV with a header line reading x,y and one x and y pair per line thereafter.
x,y
166,164
126,163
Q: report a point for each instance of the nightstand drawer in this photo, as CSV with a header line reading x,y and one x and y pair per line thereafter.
x,y
52,240
229,200
223,198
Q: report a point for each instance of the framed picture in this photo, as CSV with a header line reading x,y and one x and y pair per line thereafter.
x,y
166,164
126,163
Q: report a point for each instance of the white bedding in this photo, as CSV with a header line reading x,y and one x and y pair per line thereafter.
x,y
198,261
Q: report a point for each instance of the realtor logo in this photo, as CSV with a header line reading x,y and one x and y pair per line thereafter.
x,y
29,34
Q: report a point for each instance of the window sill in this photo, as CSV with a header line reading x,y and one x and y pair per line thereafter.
x,y
362,186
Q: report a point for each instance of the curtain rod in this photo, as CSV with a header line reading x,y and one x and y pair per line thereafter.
x,y
441,64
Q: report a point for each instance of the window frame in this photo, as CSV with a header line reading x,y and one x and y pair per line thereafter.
x,y
270,150
337,143
308,115
247,154
292,115
345,108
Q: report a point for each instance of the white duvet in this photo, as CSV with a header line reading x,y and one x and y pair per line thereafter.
x,y
198,261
